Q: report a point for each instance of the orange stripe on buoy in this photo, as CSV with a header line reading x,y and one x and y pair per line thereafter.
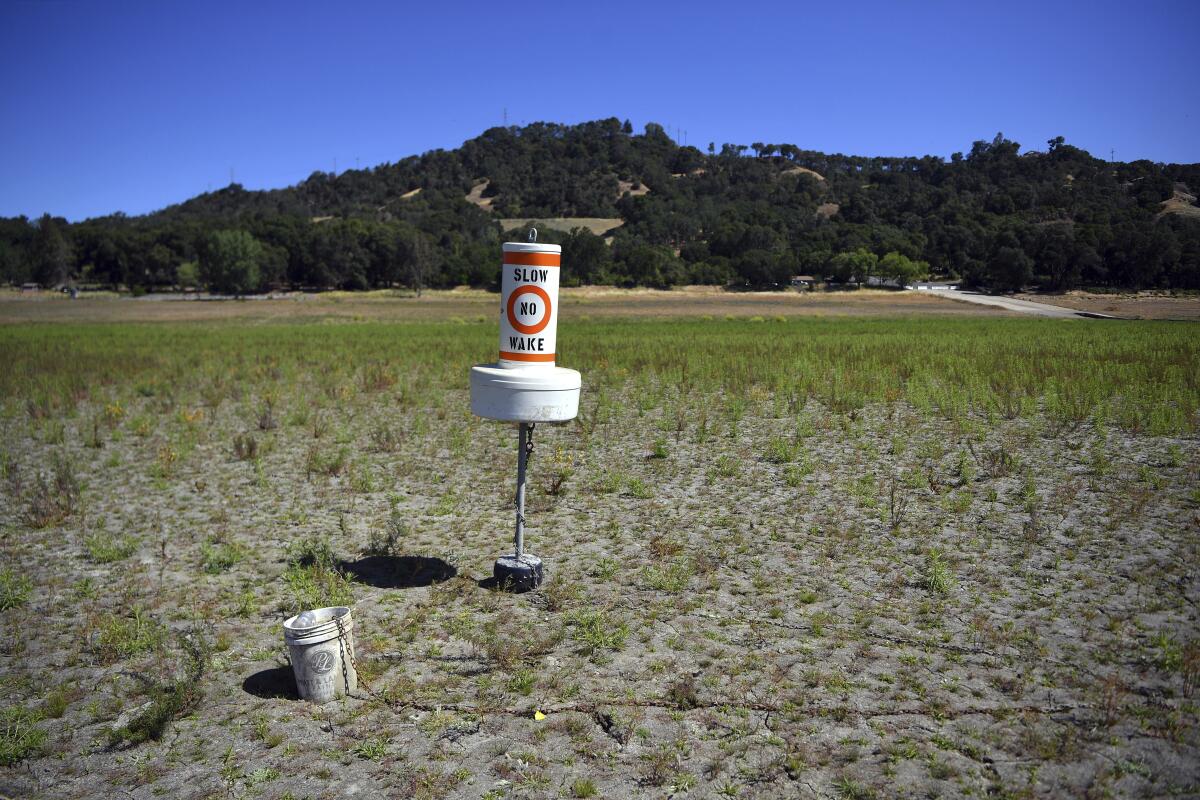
x,y
534,259
507,356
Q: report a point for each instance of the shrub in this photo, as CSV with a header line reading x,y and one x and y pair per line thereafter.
x,y
938,578
245,447
317,461
386,542
53,498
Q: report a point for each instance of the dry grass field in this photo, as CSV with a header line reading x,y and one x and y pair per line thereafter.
x,y
462,305
794,549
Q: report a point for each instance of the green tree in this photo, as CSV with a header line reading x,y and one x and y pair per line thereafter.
x,y
232,262
188,275
764,268
854,266
12,263
586,258
650,265
109,262
901,269
420,261
1055,258
52,258
1009,269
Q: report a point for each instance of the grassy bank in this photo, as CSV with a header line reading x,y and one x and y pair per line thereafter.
x,y
1138,376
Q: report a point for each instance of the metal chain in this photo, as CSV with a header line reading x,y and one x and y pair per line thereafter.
x,y
347,648
528,453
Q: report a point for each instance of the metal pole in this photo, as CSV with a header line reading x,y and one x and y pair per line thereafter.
x,y
522,460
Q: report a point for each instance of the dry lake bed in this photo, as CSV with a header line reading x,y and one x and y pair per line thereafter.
x,y
885,555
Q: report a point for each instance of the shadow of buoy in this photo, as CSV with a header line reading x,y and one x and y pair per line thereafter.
x,y
399,572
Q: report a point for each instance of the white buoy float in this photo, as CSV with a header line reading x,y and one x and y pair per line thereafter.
x,y
525,385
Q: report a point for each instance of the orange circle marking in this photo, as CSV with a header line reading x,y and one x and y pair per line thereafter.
x,y
512,318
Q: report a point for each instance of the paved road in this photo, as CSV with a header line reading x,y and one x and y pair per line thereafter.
x,y
1009,303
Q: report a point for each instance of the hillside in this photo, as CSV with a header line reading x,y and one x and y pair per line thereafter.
x,y
993,216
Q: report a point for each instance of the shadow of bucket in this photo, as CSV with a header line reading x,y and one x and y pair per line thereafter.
x,y
322,654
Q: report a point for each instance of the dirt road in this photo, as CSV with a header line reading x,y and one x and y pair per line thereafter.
x,y
1009,304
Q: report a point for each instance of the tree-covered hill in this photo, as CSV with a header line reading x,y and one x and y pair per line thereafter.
x,y
993,216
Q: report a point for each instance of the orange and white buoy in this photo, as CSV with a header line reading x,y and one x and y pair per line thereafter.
x,y
525,385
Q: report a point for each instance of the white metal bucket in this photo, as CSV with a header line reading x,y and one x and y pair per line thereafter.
x,y
322,654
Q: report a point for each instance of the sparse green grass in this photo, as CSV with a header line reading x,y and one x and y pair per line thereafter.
x,y
781,451
103,548
120,636
522,682
15,589
372,748
726,466
659,450
314,579
640,489
20,735
672,577
596,630
217,557
853,790
938,578
583,787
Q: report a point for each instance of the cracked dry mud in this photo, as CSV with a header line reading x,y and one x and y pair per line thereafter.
x,y
744,599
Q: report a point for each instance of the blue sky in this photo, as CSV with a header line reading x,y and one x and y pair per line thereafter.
x,y
132,106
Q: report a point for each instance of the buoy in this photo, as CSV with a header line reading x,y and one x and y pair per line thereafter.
x,y
525,385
